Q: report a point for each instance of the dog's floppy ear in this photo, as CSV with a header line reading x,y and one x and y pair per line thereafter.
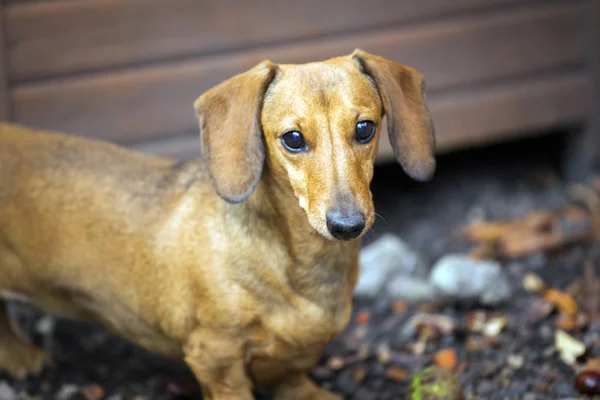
x,y
231,131
411,131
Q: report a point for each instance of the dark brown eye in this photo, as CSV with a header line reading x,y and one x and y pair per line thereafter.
x,y
293,141
365,131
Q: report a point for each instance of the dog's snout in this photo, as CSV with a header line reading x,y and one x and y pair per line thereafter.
x,y
345,225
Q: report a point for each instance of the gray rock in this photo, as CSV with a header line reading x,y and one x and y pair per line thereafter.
x,y
67,391
461,277
410,289
7,392
387,256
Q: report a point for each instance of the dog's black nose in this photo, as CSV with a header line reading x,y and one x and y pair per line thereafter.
x,y
345,224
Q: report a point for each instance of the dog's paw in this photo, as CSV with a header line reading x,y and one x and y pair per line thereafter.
x,y
21,359
305,389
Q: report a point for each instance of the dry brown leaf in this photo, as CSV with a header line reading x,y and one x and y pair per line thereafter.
x,y
396,374
586,290
566,322
565,303
482,231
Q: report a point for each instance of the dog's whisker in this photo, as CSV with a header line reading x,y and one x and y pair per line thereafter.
x,y
381,217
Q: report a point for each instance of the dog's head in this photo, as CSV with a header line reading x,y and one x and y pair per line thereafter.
x,y
317,126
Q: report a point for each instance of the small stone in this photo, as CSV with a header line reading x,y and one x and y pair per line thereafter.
x,y
563,389
461,277
66,392
379,260
533,283
181,388
7,392
588,382
410,289
515,361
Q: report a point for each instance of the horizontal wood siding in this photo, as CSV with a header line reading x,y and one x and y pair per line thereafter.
x,y
60,37
4,91
153,102
467,118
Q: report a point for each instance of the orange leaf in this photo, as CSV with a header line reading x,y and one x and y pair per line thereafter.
x,y
563,301
487,231
446,359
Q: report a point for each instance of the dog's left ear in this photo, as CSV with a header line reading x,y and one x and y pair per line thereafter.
x,y
231,131
411,131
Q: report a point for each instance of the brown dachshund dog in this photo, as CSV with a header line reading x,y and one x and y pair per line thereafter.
x,y
242,263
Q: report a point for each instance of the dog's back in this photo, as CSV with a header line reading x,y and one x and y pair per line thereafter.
x,y
97,204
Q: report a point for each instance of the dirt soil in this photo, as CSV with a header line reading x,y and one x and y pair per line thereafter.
x,y
375,357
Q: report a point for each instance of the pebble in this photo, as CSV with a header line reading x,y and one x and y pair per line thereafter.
x,y
459,276
563,389
410,289
7,392
66,392
389,255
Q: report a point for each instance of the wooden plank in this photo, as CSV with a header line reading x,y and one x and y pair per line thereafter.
x,y
582,152
473,117
4,91
146,103
65,36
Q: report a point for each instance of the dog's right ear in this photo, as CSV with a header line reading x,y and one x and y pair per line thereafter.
x,y
231,131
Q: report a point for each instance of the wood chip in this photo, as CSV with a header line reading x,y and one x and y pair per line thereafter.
x,y
396,374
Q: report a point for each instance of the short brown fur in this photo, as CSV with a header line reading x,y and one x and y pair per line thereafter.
x,y
226,262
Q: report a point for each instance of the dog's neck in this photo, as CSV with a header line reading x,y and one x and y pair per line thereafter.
x,y
321,269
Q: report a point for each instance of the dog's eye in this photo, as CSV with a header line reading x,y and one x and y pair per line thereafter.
x,y
293,141
365,131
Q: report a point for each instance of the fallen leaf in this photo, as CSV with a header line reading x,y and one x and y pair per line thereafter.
x,y
396,374
562,300
568,347
483,231
446,358
566,322
586,290
535,232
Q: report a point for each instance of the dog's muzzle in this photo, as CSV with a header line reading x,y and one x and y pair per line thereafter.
x,y
345,225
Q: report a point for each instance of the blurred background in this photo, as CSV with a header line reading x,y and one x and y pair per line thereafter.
x,y
129,70
514,91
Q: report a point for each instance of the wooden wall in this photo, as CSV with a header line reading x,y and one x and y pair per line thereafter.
x,y
129,70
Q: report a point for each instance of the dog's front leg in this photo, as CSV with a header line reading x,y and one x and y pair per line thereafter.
x,y
217,361
300,387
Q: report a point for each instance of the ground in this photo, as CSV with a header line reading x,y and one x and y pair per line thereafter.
x,y
375,358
